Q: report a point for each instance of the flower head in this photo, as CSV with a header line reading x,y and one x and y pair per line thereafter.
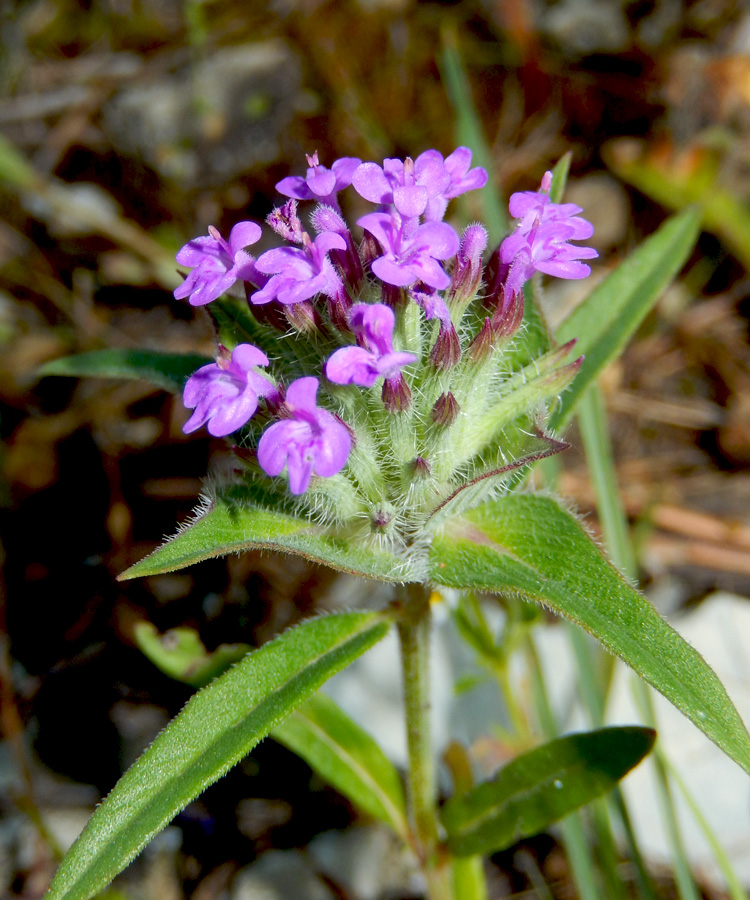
x,y
225,393
216,263
311,441
372,325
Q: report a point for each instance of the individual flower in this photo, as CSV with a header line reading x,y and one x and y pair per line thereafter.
x,y
310,441
411,253
546,249
372,325
408,184
540,241
320,183
217,264
225,393
299,273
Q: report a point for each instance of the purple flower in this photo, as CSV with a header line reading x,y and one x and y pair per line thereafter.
x,y
311,441
300,273
411,253
320,183
217,263
540,240
408,184
546,249
421,186
225,393
372,325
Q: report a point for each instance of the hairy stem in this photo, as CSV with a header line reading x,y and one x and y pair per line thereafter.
x,y
414,636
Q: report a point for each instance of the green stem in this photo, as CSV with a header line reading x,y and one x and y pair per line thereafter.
x,y
414,635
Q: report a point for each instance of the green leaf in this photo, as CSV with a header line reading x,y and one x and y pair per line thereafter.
x,y
230,526
217,727
532,546
610,315
180,653
560,177
542,786
165,370
347,757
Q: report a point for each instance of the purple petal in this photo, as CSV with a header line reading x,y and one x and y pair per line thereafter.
x,y
438,238
410,200
295,187
322,182
345,169
244,356
274,443
369,181
327,241
431,173
393,273
243,235
380,226
301,393
563,268
195,251
333,449
352,365
211,288
431,273
232,416
299,468
272,262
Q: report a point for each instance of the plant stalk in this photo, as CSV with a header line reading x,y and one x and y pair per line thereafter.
x,y
414,636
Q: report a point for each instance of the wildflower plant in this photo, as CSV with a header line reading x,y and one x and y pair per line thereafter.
x,y
387,387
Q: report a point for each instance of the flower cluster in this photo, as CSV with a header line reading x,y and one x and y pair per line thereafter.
x,y
391,394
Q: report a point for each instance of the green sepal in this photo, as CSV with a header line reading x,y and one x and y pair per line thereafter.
x,y
540,787
348,758
181,654
169,371
531,546
231,525
217,728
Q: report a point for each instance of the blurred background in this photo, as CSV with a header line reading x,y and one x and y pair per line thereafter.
x,y
126,128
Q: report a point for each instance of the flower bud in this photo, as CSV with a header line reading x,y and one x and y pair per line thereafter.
x,y
446,351
481,347
303,317
446,410
396,394
467,271
421,467
508,313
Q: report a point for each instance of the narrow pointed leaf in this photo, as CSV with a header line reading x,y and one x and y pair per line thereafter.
x,y
347,757
165,370
219,726
232,527
542,786
610,315
532,546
